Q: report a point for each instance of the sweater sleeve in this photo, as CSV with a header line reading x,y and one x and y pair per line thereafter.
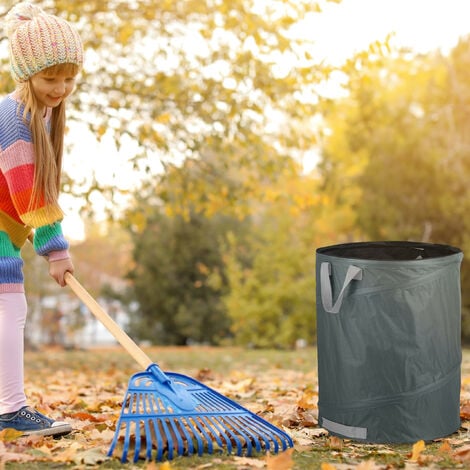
x,y
49,241
17,166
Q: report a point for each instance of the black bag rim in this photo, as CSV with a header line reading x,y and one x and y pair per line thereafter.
x,y
389,250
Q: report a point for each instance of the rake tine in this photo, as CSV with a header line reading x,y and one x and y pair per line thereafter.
x,y
137,441
200,429
255,437
148,407
236,437
126,442
249,439
223,431
156,423
258,430
197,436
148,440
169,439
137,429
256,433
217,434
177,435
204,429
276,436
182,422
115,439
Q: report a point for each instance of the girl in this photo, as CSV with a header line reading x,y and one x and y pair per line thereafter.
x,y
45,56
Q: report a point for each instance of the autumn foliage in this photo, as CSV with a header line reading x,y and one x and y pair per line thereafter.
x,y
216,114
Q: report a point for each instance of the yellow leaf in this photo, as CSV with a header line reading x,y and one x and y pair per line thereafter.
x,y
308,400
164,118
165,466
327,466
101,131
418,447
125,33
69,454
8,434
282,461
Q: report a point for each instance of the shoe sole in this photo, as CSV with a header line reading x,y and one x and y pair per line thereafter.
x,y
56,431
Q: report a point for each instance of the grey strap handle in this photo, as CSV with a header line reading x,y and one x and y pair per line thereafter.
x,y
353,274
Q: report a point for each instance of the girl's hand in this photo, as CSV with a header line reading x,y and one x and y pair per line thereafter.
x,y
57,270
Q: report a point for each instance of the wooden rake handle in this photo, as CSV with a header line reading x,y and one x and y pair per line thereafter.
x,y
124,340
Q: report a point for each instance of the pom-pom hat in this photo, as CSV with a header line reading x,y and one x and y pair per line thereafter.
x,y
39,41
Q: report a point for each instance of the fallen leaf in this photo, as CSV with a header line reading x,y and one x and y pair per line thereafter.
x,y
308,400
204,375
278,394
106,435
152,466
165,466
307,419
463,453
305,437
249,462
82,416
213,464
69,454
465,411
327,466
44,449
90,457
317,432
445,448
335,443
465,425
9,435
282,461
15,457
367,465
418,447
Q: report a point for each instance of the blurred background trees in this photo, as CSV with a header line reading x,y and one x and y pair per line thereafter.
x,y
225,164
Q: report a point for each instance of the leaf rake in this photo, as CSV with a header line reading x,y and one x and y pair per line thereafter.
x,y
170,415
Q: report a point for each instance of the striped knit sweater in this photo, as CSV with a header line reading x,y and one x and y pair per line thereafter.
x,y
16,184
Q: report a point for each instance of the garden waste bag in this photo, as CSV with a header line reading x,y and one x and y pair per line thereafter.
x,y
389,352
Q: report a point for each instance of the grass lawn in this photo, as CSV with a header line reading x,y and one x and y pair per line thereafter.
x,y
87,388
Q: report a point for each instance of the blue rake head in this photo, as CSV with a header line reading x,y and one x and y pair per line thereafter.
x,y
170,415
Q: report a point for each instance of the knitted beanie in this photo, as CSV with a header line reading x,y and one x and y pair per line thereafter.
x,y
39,40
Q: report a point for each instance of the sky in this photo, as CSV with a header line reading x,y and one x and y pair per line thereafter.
x,y
338,32
423,25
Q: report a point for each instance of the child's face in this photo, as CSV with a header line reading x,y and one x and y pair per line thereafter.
x,y
51,90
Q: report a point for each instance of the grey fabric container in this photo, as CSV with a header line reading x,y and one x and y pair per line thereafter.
x,y
389,351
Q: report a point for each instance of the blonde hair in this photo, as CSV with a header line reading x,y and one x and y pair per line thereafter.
x,y
48,146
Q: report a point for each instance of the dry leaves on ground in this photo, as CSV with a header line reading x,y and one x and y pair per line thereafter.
x,y
87,389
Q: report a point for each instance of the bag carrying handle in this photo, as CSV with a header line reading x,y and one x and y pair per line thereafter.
x,y
353,274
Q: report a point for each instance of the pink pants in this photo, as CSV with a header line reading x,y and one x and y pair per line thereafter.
x,y
12,322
